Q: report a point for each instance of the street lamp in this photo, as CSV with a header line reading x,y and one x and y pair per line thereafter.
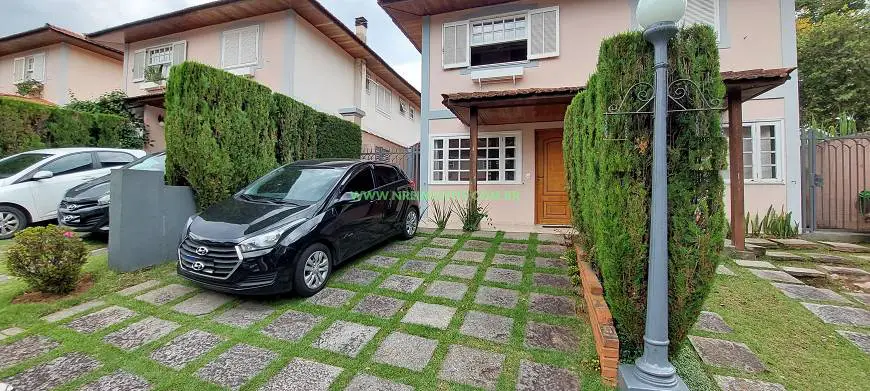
x,y
653,371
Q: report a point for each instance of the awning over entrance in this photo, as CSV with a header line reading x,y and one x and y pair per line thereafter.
x,y
155,100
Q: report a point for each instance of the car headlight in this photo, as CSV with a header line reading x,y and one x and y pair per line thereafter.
x,y
267,240
104,200
187,224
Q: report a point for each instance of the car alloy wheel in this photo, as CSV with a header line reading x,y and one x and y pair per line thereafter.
x,y
8,223
411,222
316,269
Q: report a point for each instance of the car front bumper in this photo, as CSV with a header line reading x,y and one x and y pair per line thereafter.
x,y
268,274
86,219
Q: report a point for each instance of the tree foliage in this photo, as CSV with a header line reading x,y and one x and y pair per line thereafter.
x,y
134,135
815,10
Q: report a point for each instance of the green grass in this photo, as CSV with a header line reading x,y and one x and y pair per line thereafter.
x,y
27,316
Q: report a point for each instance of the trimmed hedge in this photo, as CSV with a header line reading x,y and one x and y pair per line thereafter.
x,y
608,161
338,138
297,129
25,126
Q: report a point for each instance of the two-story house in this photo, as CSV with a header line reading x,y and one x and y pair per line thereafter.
x,y
65,63
296,48
503,72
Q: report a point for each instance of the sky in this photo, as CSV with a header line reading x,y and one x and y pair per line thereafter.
x,y
86,16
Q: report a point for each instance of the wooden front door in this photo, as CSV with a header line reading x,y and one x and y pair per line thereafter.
x,y
551,197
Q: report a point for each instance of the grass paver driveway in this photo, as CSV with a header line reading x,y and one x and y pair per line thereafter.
x,y
444,311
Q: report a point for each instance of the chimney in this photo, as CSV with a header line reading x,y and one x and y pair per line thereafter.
x,y
362,27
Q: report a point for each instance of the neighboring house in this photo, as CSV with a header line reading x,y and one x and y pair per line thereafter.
x,y
506,71
67,64
295,48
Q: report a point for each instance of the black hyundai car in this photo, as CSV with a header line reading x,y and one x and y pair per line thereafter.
x,y
288,230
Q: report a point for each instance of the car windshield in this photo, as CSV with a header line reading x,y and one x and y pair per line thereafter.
x,y
150,163
14,164
294,185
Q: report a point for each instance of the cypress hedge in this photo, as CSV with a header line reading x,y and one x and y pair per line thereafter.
x,y
608,161
297,125
338,138
26,126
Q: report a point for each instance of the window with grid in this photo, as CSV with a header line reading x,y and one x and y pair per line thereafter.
x,y
760,151
403,108
160,56
497,159
501,40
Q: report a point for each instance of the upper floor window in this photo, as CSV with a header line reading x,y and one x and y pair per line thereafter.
x,y
510,38
411,114
240,47
29,68
403,108
383,96
702,12
158,59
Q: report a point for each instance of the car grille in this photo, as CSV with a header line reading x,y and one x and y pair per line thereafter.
x,y
76,205
219,262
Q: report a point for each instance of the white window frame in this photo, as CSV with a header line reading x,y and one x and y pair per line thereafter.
x,y
467,62
403,108
518,157
27,73
256,28
493,19
755,132
386,107
411,114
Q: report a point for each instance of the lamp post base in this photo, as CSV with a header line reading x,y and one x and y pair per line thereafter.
x,y
629,380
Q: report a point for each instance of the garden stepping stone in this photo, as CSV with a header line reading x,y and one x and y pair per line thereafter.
x,y
847,247
469,256
552,281
725,271
712,322
804,272
486,326
101,319
516,235
515,247
303,374
755,264
862,341
236,366
806,292
245,314
54,373
453,232
862,297
431,315
380,306
551,249
443,242
553,305
727,354
548,336
12,331
382,261
727,383
476,245
850,271
345,338
847,316
426,230
405,351
795,243
550,263
784,256
25,349
185,348
141,333
120,380
3,278
414,266
506,259
432,252
331,297
472,367
166,294
364,382
203,303
402,284
74,310
484,234
357,276
761,242
459,271
551,238
775,275
498,297
397,248
138,288
536,377
292,325
416,240
447,290
504,276
827,258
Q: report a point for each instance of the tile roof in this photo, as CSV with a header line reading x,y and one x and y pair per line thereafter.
x,y
28,99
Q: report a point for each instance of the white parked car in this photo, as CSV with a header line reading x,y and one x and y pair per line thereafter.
x,y
33,183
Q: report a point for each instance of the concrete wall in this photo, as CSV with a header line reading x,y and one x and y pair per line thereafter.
x,y
147,219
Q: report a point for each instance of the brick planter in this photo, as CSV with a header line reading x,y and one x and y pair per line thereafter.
x,y
606,340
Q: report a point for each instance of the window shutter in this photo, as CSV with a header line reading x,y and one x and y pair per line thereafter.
x,y
18,70
544,33
248,40
139,65
179,52
702,12
39,67
231,49
455,45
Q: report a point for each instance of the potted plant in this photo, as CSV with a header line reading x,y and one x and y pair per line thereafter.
x,y
864,203
31,88
154,78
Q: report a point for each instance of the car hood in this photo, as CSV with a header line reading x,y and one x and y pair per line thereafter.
x,y
92,189
234,219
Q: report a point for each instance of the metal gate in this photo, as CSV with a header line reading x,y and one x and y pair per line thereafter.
x,y
408,159
835,170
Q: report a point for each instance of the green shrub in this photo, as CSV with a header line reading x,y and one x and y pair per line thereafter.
x,y
471,214
132,134
49,259
441,213
775,224
338,138
219,131
296,124
608,161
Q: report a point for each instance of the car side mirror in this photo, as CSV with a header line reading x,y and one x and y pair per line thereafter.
x,y
348,197
42,175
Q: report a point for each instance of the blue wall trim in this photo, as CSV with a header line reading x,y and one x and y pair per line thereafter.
x,y
425,114
792,112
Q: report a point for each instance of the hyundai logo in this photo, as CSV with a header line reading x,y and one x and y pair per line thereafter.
x,y
72,206
201,251
198,266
